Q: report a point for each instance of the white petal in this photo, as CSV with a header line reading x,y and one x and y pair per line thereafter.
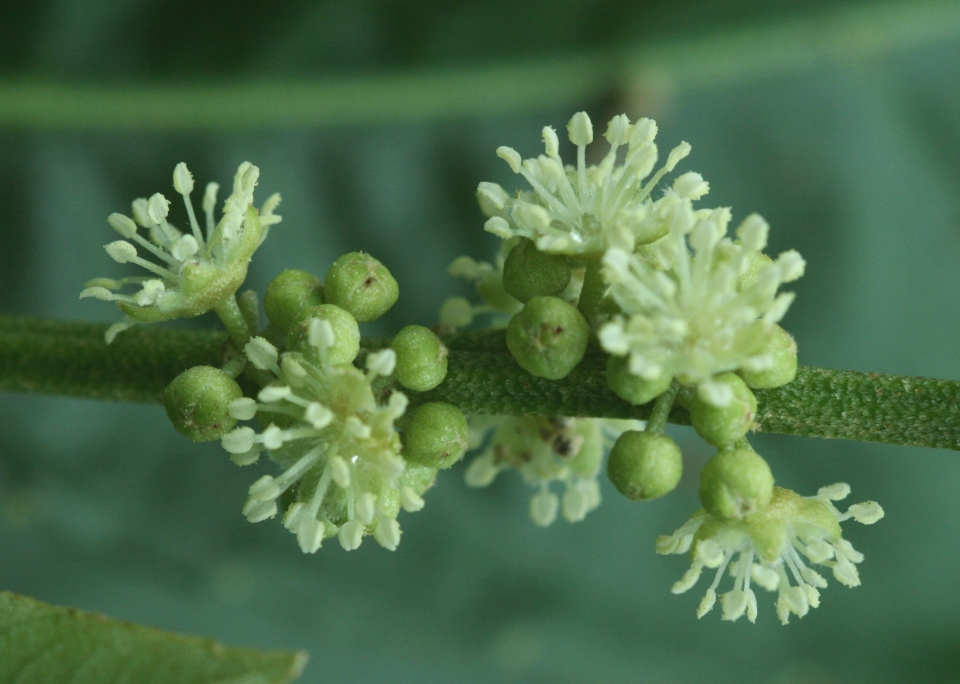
x,y
366,508
706,605
258,511
543,508
846,573
481,471
765,577
243,408
734,604
709,553
382,362
387,533
182,179
867,512
340,471
689,578
310,535
261,353
410,500
238,441
273,393
751,606
351,535
265,489
835,492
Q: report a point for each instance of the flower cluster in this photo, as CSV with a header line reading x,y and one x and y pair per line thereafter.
x,y
337,443
573,210
544,450
697,303
196,270
768,547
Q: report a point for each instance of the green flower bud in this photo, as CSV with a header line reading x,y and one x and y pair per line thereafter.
x,y
783,348
631,387
528,272
548,337
734,483
722,410
346,335
362,285
197,400
289,295
436,436
421,358
644,465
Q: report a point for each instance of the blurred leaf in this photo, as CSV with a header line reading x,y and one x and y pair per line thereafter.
x,y
42,643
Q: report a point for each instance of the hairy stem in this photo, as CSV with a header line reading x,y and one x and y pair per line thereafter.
x,y
56,357
234,320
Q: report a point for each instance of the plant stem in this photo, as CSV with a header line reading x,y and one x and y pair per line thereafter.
x,y
56,357
234,321
592,291
661,409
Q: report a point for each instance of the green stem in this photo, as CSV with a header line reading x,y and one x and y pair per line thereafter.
x,y
661,409
234,321
592,290
56,357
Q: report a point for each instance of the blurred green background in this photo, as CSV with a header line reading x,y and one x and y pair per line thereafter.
x,y
839,122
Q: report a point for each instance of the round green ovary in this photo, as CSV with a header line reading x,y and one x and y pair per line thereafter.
x,y
548,338
643,465
528,272
361,285
290,295
197,400
421,358
436,436
735,483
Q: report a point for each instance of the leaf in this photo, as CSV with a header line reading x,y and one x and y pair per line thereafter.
x,y
46,644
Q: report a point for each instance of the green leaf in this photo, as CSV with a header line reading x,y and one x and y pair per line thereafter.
x,y
51,644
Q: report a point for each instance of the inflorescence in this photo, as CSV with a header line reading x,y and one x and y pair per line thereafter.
x,y
592,256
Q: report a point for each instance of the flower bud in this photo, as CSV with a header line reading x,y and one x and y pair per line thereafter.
x,y
734,483
719,424
548,337
436,436
342,348
198,400
783,348
289,295
421,358
633,388
528,272
644,465
361,285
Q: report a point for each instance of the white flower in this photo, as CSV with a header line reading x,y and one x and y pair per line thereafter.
x,y
194,270
568,450
458,312
584,209
768,548
697,303
337,443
